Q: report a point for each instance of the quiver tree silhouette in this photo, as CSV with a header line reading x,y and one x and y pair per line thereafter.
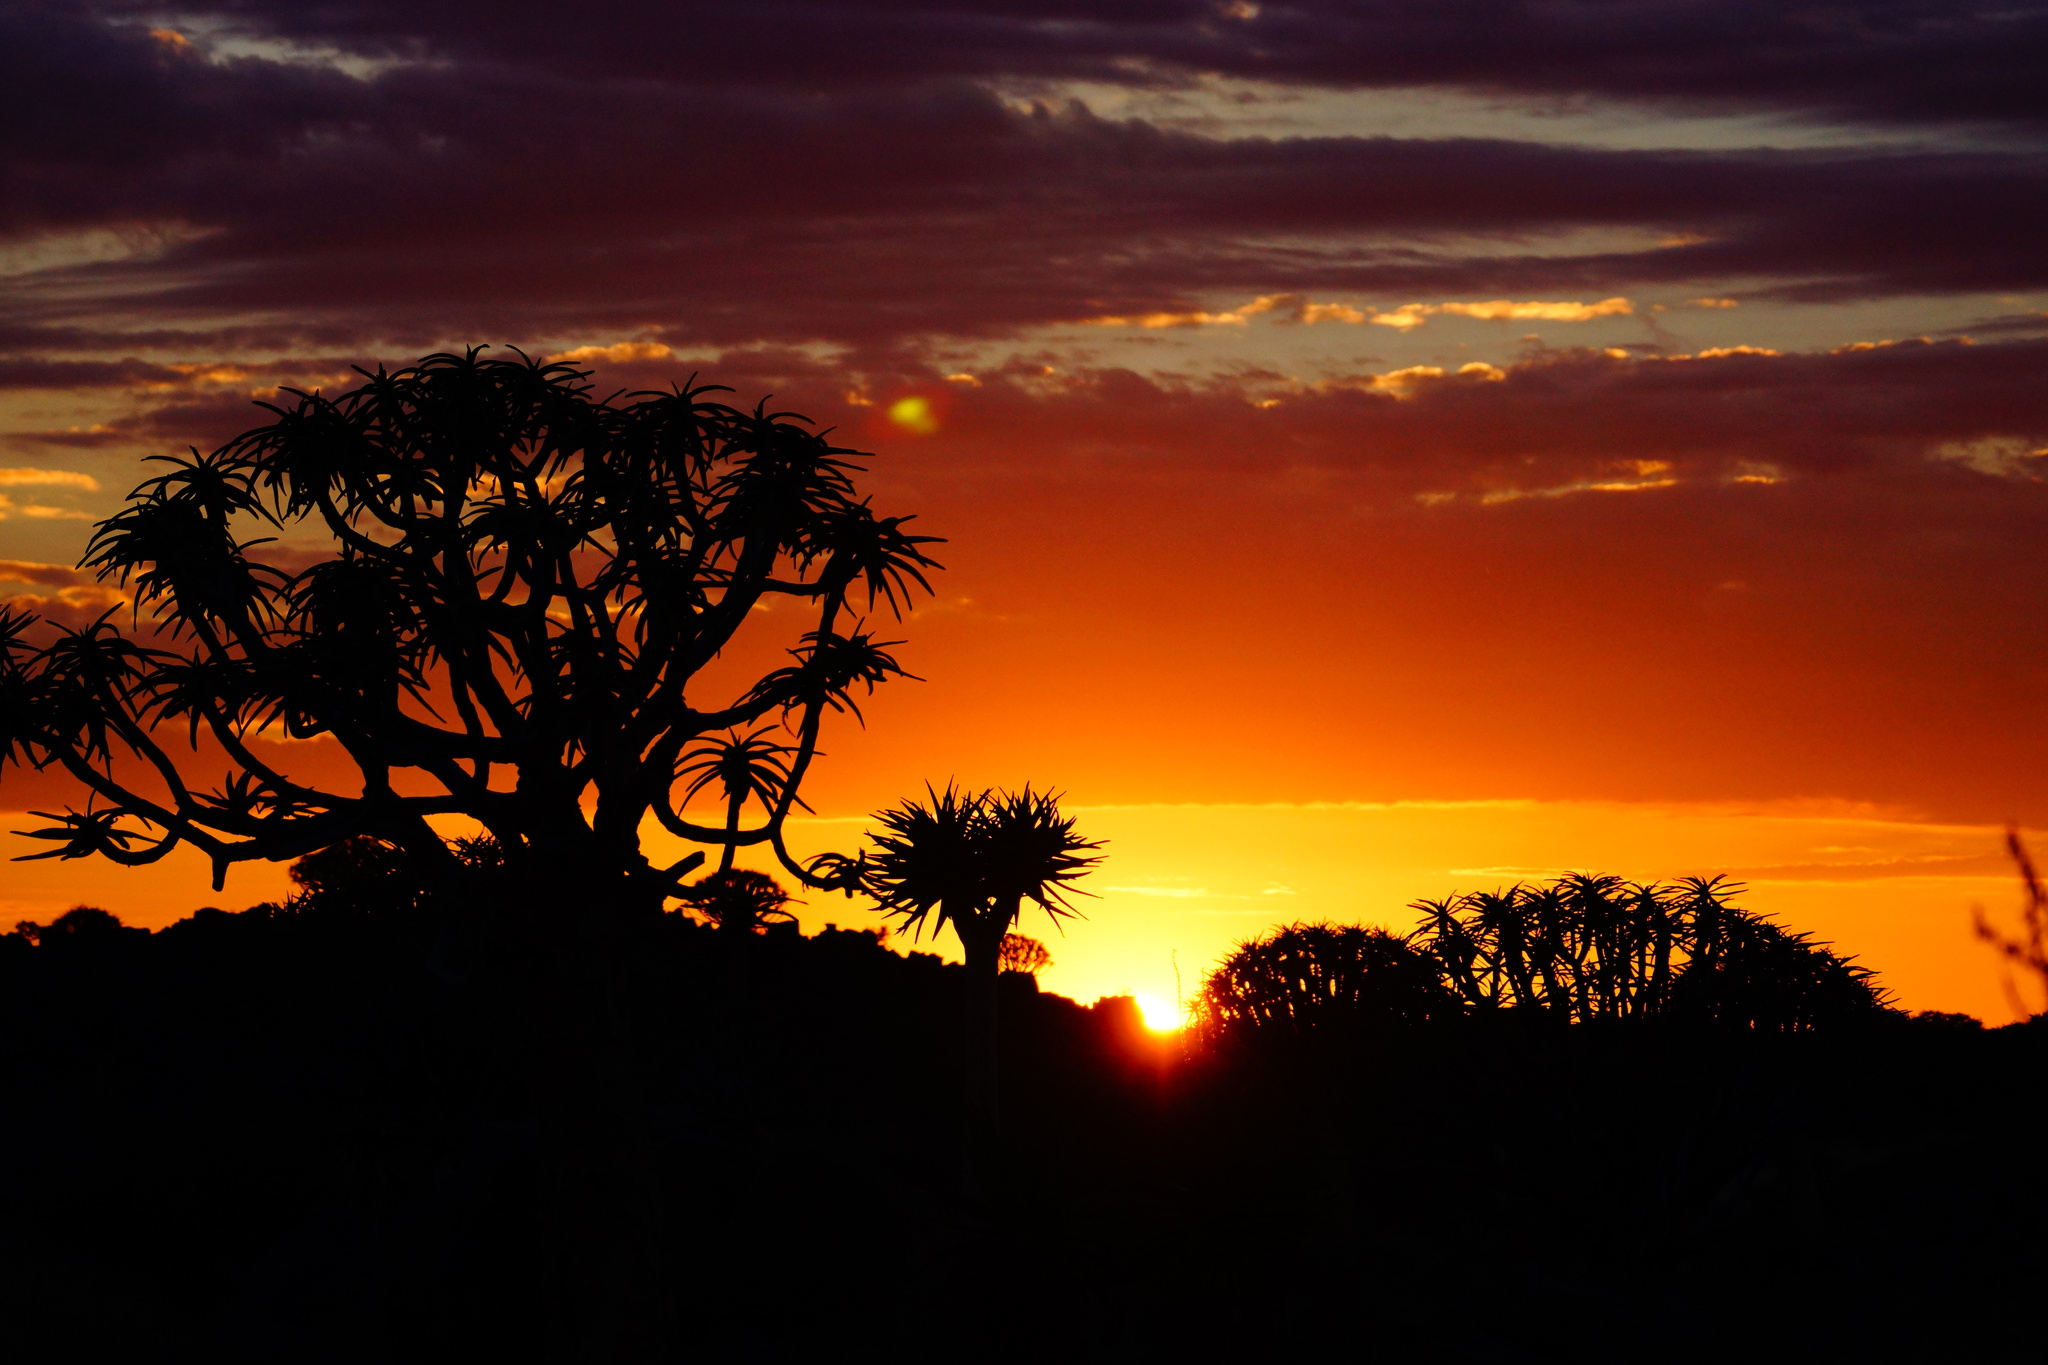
x,y
1585,947
1307,978
971,860
521,586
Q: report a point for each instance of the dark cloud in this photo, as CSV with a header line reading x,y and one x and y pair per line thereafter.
x,y
201,421
1553,424
1930,61
504,213
1556,420
2009,324
41,575
706,180
82,374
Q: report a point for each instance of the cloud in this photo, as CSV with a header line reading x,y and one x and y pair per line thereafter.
x,y
1297,309
1288,308
1572,421
616,353
20,373
36,511
2011,324
73,606
1412,315
2005,457
42,575
1917,61
48,478
1553,420
1192,318
291,202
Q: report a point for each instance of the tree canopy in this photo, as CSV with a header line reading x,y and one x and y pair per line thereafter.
x,y
1302,977
494,592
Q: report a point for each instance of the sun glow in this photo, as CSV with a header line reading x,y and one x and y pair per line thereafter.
x,y
1161,1015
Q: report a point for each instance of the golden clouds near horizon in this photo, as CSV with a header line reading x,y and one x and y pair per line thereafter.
x,y
48,478
1295,308
1411,315
617,354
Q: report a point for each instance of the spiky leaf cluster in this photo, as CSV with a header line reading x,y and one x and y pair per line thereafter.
x,y
972,858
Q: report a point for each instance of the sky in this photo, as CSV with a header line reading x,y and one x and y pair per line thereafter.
x,y
1383,449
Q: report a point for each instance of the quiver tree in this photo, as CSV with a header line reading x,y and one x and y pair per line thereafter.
x,y
971,860
515,589
1586,947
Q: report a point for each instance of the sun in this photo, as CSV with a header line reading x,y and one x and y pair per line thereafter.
x,y
1160,1014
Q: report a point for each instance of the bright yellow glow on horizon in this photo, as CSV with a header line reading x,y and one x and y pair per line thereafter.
x,y
1161,1015
1182,885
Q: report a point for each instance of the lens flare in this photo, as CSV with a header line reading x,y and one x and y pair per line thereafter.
x,y
914,414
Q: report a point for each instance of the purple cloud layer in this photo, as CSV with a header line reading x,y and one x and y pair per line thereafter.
x,y
1919,62
720,176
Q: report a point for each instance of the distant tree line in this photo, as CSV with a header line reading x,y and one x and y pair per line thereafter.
x,y
1581,949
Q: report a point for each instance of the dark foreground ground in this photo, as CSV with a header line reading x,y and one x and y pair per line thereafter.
x,y
358,1138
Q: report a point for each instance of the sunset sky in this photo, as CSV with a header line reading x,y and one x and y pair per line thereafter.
x,y
1383,449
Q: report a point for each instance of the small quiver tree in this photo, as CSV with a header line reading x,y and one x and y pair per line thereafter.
x,y
517,587
972,860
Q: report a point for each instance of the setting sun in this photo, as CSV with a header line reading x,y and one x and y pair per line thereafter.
x,y
1160,1014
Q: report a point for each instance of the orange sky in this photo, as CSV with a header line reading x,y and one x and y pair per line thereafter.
x,y
1372,466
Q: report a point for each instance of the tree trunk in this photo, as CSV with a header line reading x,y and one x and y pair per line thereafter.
x,y
604,1182
982,1056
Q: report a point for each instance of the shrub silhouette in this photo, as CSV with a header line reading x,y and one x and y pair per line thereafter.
x,y
1585,948
523,583
741,902
1021,954
81,924
358,876
1309,977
